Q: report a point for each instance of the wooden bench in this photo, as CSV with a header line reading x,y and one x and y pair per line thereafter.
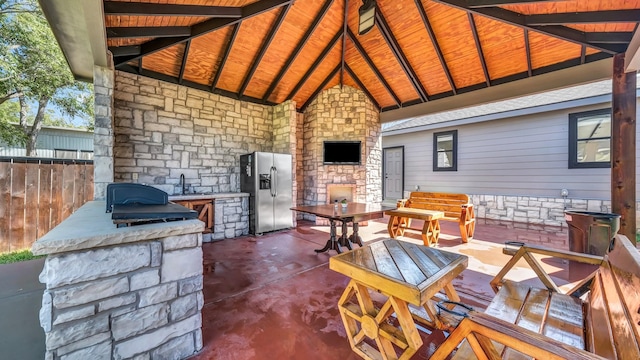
x,y
599,318
456,207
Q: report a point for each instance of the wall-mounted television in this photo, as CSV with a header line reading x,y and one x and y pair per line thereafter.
x,y
341,152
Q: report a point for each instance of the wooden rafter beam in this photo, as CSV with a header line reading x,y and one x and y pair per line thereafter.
x,y
119,51
149,9
519,20
263,49
527,47
400,57
344,40
436,46
227,51
147,31
323,11
476,38
609,37
587,17
315,64
361,85
487,3
185,55
373,67
319,89
204,27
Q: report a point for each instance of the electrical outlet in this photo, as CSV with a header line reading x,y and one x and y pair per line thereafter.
x,y
135,176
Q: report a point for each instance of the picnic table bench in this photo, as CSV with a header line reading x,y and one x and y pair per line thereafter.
x,y
597,319
432,207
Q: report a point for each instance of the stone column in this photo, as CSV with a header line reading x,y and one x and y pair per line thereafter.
x,y
103,138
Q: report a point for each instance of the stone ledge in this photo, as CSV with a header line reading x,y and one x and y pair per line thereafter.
x,y
207,196
91,227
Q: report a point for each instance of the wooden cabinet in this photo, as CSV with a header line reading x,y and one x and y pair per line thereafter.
x,y
204,207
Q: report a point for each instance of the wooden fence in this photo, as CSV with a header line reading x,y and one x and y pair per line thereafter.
x,y
37,194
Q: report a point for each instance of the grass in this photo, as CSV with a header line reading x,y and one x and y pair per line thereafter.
x,y
17,256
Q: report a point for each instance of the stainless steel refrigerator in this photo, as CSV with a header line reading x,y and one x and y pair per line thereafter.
x,y
267,178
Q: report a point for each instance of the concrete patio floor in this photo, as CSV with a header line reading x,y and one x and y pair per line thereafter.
x,y
273,297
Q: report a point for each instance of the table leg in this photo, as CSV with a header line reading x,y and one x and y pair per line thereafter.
x,y
332,243
439,322
344,240
374,325
392,227
431,232
355,237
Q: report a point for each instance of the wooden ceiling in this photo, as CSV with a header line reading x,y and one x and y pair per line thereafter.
x,y
271,51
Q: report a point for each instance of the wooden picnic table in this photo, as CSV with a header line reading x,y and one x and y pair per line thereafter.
x,y
405,273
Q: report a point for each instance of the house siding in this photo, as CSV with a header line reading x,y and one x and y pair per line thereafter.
x,y
519,156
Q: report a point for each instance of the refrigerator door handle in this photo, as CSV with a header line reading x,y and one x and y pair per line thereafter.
x,y
273,181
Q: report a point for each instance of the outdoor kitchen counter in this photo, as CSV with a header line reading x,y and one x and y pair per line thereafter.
x,y
90,227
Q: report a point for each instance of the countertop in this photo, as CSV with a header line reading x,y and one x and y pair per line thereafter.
x,y
91,227
207,196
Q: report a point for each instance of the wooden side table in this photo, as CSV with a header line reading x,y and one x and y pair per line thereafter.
x,y
400,220
406,274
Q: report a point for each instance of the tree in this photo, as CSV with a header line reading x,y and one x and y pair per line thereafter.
x,y
34,71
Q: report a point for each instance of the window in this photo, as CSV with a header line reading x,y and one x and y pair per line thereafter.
x,y
590,139
445,151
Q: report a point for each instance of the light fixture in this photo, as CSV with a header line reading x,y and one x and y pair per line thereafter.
x,y
367,16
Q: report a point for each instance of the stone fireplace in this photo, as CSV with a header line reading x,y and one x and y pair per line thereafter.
x,y
341,114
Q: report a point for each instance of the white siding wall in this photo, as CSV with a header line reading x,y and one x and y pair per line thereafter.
x,y
519,156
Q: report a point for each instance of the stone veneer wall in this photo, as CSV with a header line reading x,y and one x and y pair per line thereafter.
x,y
342,113
299,164
103,137
285,140
531,210
163,130
140,300
231,217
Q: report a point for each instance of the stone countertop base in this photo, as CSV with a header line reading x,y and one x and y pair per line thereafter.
x,y
91,227
206,196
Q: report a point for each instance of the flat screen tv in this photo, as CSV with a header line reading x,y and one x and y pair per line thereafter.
x,y
341,152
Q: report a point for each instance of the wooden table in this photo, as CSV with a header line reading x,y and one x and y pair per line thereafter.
x,y
354,213
400,220
406,274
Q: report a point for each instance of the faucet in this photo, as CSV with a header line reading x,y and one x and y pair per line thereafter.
x,y
182,183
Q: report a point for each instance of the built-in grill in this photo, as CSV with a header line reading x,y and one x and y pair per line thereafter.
x,y
131,204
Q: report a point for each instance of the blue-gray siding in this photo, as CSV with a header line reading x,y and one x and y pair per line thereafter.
x,y
524,155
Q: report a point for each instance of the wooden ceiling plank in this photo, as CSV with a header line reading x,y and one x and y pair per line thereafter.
x,y
227,51
361,85
587,17
528,50
147,31
436,46
150,9
319,89
489,3
313,67
483,62
298,48
202,28
263,49
516,19
184,61
373,67
344,40
400,57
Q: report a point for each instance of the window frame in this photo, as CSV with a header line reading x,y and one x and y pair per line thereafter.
x,y
454,160
573,140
